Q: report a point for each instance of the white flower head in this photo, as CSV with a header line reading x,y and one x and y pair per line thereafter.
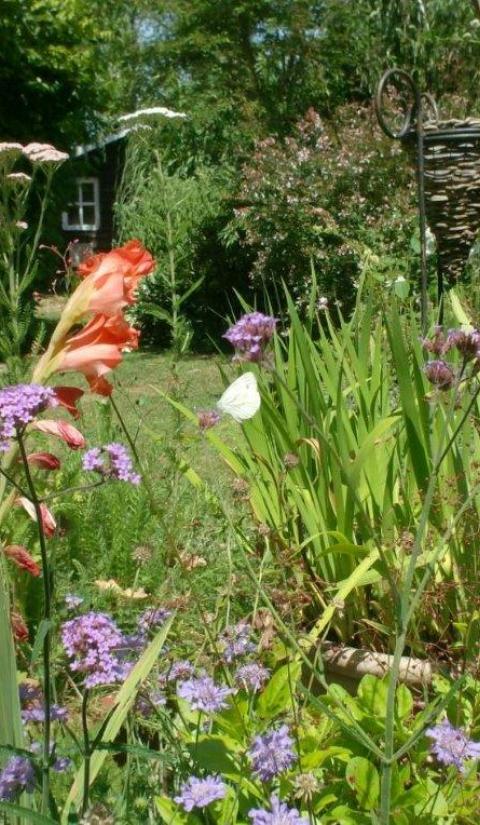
x,y
44,153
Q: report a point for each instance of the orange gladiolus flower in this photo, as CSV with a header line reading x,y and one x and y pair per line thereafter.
x,y
69,397
132,260
97,349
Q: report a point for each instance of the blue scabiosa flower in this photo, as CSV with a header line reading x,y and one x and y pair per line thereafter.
x,y
204,694
153,617
250,335
17,776
272,753
92,641
451,746
252,676
198,793
72,601
235,641
19,405
280,814
179,671
111,461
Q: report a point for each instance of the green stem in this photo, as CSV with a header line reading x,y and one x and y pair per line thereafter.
x,y
47,615
86,753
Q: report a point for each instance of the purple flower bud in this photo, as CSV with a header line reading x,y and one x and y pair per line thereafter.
x,y
451,745
250,335
111,461
272,753
280,814
198,793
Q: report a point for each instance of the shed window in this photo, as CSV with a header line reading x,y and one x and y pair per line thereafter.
x,y
84,212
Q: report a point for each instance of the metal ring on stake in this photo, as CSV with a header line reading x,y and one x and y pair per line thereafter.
x,y
421,101
413,123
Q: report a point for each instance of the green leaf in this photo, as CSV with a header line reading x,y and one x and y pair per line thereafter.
x,y
30,816
43,628
277,696
214,753
362,776
372,696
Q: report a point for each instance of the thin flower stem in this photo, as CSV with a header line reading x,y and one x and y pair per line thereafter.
x,y
47,615
78,489
145,479
87,753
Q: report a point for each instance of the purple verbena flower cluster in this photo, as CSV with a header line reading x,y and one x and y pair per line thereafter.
x,y
111,461
451,745
92,641
198,793
279,815
235,641
17,776
19,405
251,334
204,694
252,676
272,753
153,617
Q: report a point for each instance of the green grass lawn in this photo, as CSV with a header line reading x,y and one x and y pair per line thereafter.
x,y
101,529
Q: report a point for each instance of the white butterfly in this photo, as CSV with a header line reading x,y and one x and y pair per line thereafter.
x,y
241,399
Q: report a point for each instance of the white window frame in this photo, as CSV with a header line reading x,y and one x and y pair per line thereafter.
x,y
80,203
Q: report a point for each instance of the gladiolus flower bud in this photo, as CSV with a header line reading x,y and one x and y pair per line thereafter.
x,y
19,628
49,524
22,558
62,429
45,461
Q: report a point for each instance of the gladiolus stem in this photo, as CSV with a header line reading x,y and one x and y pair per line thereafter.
x,y
47,614
13,483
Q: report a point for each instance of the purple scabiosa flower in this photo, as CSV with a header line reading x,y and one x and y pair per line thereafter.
x,y
19,405
92,642
272,753
280,814
146,703
152,618
440,374
36,713
235,641
208,419
204,694
252,676
251,334
451,745
61,764
179,671
72,601
198,793
111,461
17,776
